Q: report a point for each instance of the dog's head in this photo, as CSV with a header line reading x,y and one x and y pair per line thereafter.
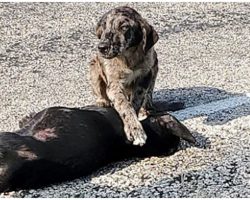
x,y
122,28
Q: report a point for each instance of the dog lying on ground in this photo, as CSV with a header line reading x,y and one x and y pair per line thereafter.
x,y
123,73
59,144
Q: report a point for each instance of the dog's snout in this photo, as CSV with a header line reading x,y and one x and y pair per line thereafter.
x,y
103,46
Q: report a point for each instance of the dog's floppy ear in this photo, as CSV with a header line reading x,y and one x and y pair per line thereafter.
x,y
101,25
177,128
149,38
167,124
99,31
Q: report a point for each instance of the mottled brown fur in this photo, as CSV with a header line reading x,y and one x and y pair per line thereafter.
x,y
124,71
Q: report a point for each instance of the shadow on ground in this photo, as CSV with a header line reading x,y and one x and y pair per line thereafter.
x,y
196,96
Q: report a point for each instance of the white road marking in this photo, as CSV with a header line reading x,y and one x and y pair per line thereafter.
x,y
206,109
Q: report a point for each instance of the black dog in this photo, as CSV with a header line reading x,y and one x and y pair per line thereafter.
x,y
59,144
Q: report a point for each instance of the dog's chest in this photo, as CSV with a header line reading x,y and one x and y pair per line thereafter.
x,y
118,72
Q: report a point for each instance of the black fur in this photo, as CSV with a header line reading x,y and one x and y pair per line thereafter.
x,y
86,139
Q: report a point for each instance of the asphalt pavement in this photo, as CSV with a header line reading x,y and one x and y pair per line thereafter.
x,y
204,61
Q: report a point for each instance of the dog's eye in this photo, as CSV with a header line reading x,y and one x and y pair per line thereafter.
x,y
125,27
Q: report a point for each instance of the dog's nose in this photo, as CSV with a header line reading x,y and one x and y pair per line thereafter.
x,y
103,47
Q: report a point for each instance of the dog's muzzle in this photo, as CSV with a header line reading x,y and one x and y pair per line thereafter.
x,y
104,47
108,50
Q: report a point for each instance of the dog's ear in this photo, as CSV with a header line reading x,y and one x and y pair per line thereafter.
x,y
167,124
99,30
150,37
101,25
177,128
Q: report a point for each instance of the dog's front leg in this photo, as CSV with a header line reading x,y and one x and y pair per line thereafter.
x,y
132,127
98,83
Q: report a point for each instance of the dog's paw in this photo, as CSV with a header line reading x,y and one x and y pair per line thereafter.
x,y
135,134
143,114
103,103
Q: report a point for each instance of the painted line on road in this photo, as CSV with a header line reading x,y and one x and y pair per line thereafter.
x,y
207,109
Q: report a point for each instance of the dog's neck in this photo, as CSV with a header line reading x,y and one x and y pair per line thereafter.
x,y
135,57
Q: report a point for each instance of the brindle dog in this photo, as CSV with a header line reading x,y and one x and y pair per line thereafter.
x,y
123,73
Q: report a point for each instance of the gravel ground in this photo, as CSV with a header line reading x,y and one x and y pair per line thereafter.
x,y
204,56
